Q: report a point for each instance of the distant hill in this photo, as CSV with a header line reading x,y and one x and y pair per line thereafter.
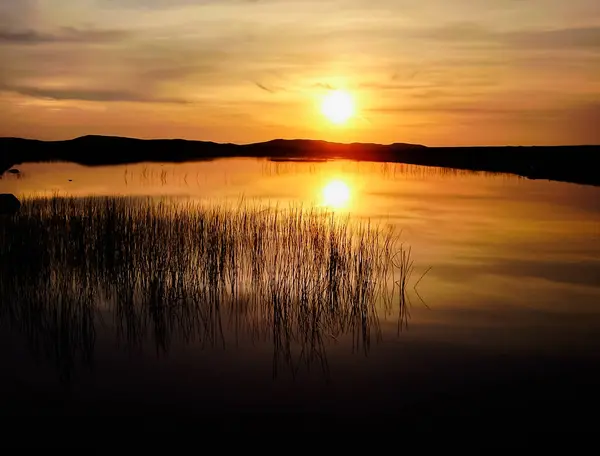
x,y
562,163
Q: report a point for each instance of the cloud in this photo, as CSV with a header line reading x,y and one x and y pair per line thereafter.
x,y
89,95
587,38
264,87
568,38
63,35
16,12
457,32
324,86
447,109
165,4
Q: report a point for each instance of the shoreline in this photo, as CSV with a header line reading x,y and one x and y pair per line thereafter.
x,y
572,164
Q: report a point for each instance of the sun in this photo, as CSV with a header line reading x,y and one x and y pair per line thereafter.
x,y
338,107
336,194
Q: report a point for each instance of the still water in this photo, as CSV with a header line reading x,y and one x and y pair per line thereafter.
x,y
505,314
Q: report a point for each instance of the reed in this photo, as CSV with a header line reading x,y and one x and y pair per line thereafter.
x,y
168,270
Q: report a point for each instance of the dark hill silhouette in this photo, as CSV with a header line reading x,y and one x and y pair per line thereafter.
x,y
562,163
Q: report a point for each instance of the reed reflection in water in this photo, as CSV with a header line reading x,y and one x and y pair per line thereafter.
x,y
298,277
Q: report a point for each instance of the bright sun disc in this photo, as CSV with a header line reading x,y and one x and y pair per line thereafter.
x,y
338,107
336,194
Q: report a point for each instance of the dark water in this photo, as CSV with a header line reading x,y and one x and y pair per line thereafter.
x,y
506,321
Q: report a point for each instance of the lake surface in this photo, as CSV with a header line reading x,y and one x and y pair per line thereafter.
x,y
506,317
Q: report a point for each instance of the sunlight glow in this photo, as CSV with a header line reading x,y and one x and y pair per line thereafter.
x,y
336,194
338,107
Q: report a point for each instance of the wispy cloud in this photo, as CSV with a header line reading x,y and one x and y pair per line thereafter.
x,y
445,109
162,4
586,38
16,12
323,86
270,88
64,35
89,95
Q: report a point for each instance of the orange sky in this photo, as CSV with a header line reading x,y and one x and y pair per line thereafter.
x,y
426,71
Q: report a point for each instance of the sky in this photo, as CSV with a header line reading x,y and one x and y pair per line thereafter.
x,y
435,72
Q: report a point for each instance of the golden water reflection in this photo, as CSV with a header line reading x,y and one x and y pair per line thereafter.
x,y
336,194
511,260
490,239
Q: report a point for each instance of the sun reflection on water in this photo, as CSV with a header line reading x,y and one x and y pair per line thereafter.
x,y
336,194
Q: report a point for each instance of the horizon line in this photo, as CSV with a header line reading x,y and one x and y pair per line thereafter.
x,y
417,145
